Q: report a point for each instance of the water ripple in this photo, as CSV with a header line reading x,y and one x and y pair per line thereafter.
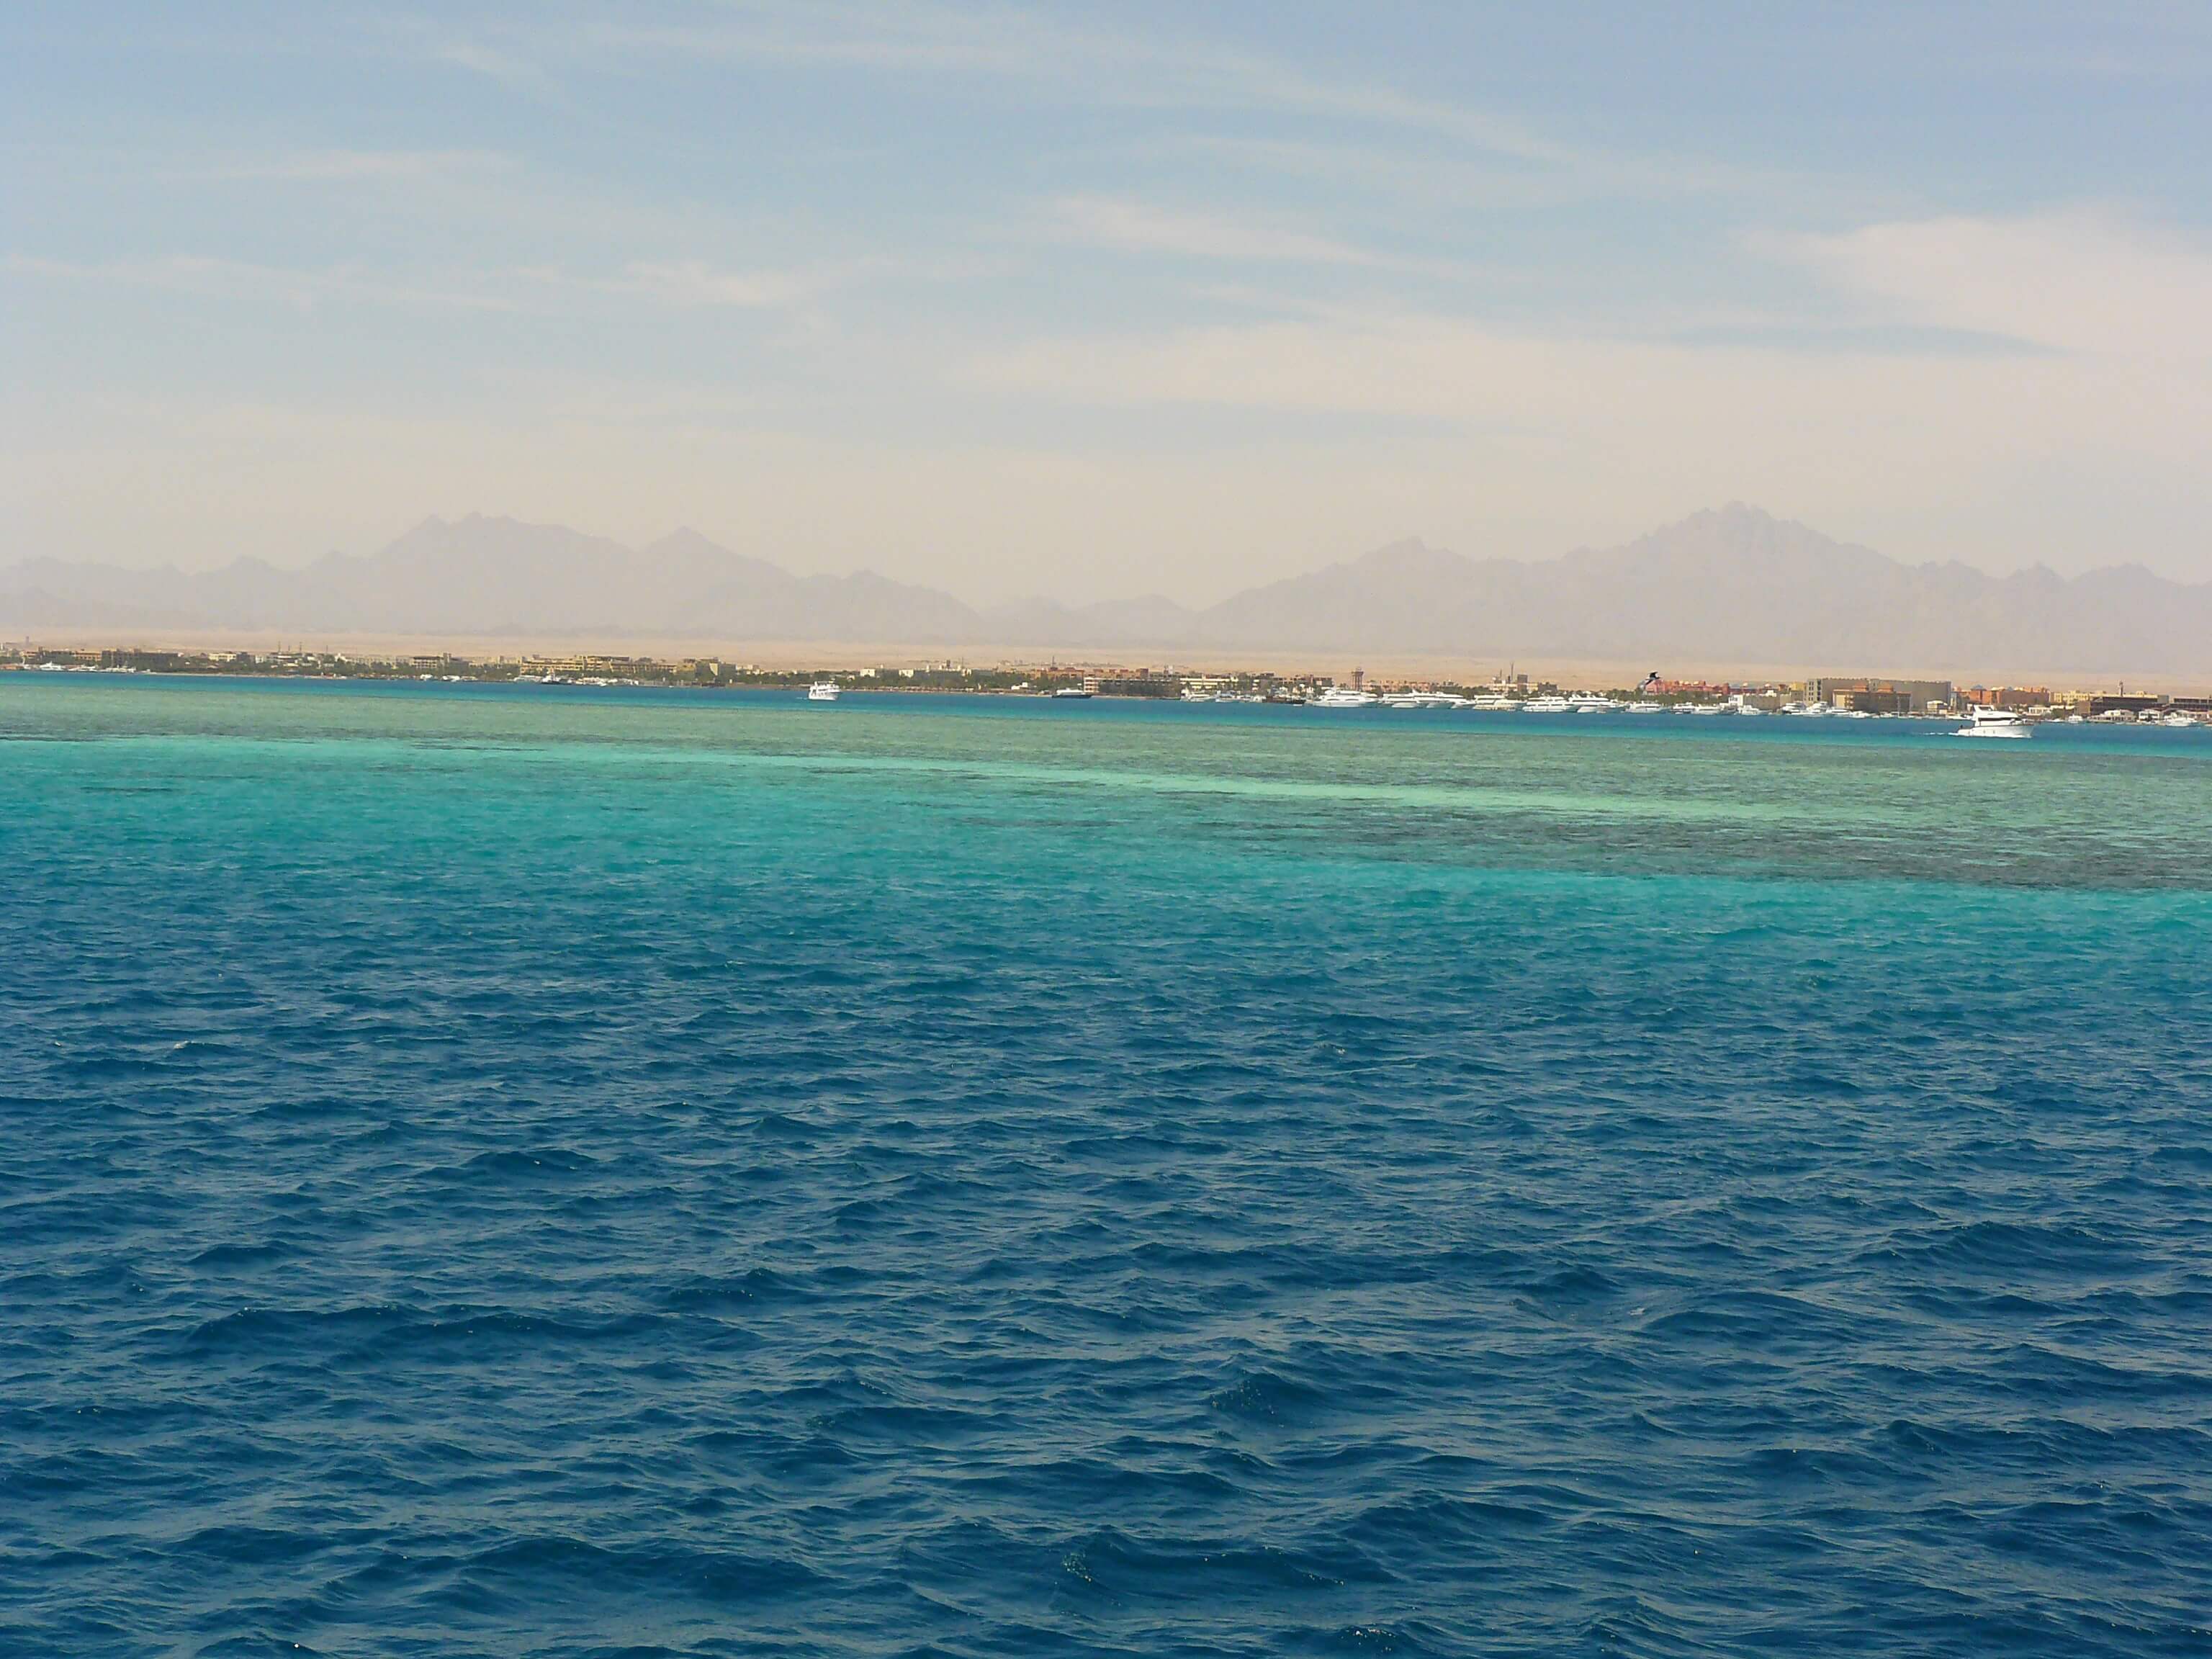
x,y
656,1176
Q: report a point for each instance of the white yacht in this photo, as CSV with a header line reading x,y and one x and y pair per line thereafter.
x,y
1343,696
1588,702
1646,708
822,691
1422,699
1551,705
1995,723
2179,718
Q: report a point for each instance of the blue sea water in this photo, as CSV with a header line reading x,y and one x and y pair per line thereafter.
x,y
557,1172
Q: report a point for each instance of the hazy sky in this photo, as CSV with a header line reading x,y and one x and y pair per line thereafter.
x,y
1101,299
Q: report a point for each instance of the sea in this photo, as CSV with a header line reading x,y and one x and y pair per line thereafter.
x,y
559,1171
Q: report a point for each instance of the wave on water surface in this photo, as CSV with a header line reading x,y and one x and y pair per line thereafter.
x,y
573,1195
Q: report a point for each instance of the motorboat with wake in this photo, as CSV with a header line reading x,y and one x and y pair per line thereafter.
x,y
1995,723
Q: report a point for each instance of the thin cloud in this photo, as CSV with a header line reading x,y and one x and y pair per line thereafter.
x,y
347,165
1611,396
686,284
1098,67
494,53
296,290
508,69
691,283
1139,226
2086,281
906,37
1070,63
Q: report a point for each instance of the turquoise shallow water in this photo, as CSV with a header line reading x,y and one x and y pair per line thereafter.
x,y
559,1172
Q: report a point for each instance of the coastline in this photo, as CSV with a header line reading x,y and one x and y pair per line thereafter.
x,y
798,658
2005,711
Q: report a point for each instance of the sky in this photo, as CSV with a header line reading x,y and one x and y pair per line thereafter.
x,y
1092,301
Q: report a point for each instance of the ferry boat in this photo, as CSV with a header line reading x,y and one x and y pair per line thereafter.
x,y
822,691
1551,705
1073,691
1995,723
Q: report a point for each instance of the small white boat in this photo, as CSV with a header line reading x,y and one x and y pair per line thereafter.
x,y
822,691
1995,723
2178,718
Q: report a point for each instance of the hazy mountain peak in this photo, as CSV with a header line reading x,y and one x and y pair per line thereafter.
x,y
1737,523
1409,558
685,540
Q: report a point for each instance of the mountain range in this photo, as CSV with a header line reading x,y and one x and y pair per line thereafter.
x,y
1730,586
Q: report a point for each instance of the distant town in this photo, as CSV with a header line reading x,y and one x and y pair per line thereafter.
x,y
1858,697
